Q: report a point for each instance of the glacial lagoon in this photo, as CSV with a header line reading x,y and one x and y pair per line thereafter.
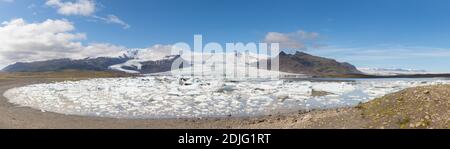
x,y
154,97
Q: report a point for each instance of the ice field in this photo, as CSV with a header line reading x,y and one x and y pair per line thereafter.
x,y
184,97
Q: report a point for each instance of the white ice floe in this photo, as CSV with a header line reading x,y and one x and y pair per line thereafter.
x,y
186,97
334,87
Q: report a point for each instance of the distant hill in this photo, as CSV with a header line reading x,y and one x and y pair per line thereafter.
x,y
92,64
304,63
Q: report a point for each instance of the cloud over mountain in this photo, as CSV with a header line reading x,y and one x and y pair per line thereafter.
x,y
298,40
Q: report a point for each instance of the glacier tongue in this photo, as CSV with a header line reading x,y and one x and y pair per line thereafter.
x,y
187,97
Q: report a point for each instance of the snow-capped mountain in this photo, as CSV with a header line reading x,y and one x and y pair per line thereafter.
x,y
145,66
154,61
159,59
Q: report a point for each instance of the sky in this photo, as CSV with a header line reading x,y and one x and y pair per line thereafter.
x,y
409,34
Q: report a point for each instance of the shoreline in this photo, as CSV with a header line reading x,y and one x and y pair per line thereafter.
x,y
17,117
367,115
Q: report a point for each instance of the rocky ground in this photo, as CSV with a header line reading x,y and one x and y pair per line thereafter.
x,y
421,107
425,107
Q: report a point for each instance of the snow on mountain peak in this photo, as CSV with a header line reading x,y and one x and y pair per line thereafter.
x,y
166,52
154,53
391,71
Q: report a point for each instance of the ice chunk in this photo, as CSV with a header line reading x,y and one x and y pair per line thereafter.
x,y
333,87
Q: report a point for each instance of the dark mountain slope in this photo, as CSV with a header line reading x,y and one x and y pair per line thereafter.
x,y
93,64
313,65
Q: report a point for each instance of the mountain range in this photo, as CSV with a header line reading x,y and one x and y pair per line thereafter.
x,y
300,63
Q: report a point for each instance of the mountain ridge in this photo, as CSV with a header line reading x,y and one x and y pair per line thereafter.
x,y
300,63
93,64
304,63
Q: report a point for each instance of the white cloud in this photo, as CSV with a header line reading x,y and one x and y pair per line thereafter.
x,y
79,7
284,40
112,19
84,8
298,40
51,39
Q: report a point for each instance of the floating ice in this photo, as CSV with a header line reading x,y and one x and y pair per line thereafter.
x,y
184,97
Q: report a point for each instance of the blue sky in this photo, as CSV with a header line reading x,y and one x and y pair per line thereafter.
x,y
367,33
